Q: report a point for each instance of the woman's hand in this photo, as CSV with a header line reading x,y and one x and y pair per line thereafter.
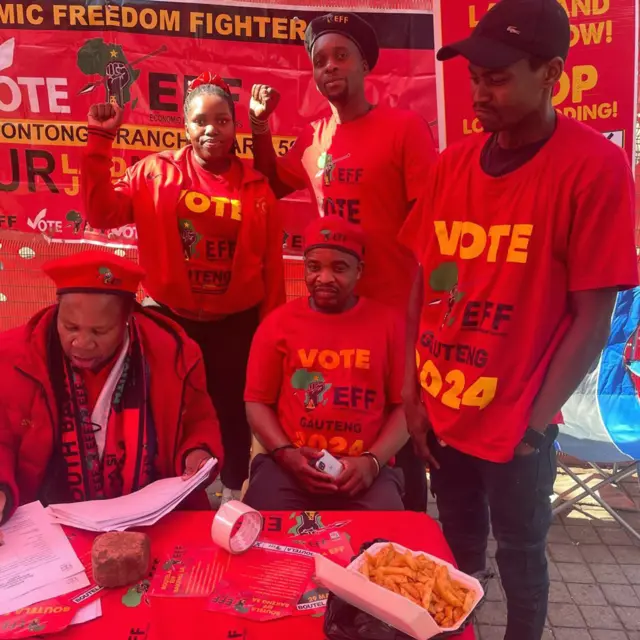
x,y
106,115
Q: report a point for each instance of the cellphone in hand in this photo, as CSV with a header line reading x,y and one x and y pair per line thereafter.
x,y
328,464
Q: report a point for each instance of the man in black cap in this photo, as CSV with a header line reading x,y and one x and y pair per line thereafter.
x,y
525,238
366,163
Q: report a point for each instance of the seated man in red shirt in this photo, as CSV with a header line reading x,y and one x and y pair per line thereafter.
x,y
325,373
99,397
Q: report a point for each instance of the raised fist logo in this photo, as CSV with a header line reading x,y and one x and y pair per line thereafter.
x,y
117,79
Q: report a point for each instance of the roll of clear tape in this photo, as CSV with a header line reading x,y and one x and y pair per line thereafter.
x,y
236,527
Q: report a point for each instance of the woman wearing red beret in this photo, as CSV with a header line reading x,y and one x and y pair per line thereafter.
x,y
209,239
99,397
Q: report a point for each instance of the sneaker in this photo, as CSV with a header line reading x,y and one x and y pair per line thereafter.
x,y
230,494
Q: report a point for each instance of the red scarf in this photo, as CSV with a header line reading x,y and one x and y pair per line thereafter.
x,y
130,447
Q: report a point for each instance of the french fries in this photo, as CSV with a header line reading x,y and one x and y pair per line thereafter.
x,y
420,580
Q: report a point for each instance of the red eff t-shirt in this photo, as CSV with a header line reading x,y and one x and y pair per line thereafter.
x,y
500,257
368,171
209,217
332,377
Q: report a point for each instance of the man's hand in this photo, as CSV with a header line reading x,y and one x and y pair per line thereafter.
x,y
419,426
106,115
523,450
358,475
194,462
298,463
264,100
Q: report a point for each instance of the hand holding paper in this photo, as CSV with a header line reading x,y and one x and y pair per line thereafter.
x,y
194,462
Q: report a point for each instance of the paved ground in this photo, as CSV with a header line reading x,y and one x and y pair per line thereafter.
x,y
595,578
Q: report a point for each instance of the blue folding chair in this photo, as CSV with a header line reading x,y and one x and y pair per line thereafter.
x,y
602,418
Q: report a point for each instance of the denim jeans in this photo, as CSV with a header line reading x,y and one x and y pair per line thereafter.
x,y
514,497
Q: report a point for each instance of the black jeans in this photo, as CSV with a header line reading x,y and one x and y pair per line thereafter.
x,y
274,489
515,498
225,346
415,479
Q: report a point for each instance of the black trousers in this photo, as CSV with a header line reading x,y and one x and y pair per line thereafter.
x,y
274,489
515,498
225,346
415,479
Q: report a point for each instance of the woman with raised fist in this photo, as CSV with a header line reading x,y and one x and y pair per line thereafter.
x,y
209,238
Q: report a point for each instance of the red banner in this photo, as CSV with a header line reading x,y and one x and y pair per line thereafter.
x,y
598,87
58,58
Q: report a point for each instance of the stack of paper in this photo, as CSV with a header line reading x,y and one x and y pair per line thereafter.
x,y
140,509
37,562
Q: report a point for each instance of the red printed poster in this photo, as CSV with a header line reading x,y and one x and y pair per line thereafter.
x,y
265,583
192,573
598,86
332,544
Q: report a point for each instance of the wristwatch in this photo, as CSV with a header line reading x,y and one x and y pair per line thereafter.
x,y
535,439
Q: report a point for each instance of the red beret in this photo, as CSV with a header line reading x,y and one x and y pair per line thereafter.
x,y
94,272
333,232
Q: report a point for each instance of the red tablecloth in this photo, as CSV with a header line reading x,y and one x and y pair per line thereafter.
x,y
132,615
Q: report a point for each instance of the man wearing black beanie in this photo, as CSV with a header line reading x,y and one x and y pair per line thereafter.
x,y
366,163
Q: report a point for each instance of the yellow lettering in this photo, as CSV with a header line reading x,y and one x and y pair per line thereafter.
x,y
7,14
519,243
195,21
95,16
346,356
583,78
363,358
478,240
31,9
148,19
328,359
496,232
243,24
451,397
224,24
169,20
307,360
196,202
279,28
236,210
59,12
297,28
480,393
430,379
111,16
129,17
77,16
448,242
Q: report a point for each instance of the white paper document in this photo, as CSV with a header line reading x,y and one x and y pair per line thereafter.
x,y
140,509
92,611
37,561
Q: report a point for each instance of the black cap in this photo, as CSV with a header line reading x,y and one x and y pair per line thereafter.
x,y
349,25
513,30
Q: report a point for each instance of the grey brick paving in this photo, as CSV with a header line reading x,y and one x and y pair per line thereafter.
x,y
594,567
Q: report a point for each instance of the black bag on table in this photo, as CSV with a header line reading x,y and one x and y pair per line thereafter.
x,y
343,621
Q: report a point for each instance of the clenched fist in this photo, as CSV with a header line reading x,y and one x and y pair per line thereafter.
x,y
264,100
106,115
